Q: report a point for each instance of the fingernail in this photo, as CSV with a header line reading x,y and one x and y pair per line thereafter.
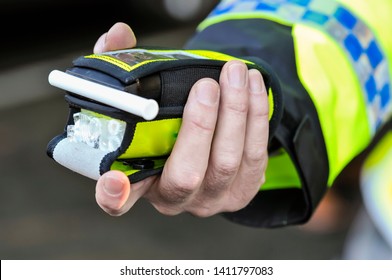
x,y
255,82
207,93
113,186
237,75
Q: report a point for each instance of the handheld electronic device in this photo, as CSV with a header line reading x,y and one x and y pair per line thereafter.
x,y
125,107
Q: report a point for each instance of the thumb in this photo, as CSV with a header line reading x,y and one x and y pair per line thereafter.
x,y
119,36
115,195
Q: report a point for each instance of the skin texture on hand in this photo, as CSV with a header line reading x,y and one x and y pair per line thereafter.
x,y
225,122
119,36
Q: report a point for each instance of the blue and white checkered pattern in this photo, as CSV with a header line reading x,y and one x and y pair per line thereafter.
x,y
353,35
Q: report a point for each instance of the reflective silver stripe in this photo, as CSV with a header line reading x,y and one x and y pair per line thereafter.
x,y
79,158
349,31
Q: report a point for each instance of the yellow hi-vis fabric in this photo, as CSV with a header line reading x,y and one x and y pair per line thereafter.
x,y
337,85
326,72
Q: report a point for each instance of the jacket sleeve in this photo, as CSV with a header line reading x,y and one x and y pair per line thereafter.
x,y
336,96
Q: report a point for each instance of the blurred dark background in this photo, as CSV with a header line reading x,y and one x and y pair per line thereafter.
x,y
49,212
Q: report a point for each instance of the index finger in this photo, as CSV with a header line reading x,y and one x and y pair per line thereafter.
x,y
185,169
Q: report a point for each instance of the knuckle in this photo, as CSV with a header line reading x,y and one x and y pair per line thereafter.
x,y
202,124
216,190
177,190
238,108
176,195
226,168
262,114
255,156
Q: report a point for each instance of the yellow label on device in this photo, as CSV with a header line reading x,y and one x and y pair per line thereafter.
x,y
131,59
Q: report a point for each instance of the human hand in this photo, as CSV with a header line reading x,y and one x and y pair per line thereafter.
x,y
219,159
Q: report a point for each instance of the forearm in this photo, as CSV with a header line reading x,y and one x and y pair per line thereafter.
x,y
328,120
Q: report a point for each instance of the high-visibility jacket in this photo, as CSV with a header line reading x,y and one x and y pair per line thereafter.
x,y
333,63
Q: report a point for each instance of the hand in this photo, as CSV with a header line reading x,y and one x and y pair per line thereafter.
x,y
219,159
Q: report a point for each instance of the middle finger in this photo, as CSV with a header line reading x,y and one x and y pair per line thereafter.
x,y
228,142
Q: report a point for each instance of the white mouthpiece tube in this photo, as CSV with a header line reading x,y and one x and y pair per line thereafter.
x,y
131,103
